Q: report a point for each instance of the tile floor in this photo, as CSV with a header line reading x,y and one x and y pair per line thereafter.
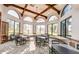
x,y
28,48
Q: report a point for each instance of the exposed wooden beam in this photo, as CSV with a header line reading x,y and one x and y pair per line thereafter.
x,y
53,8
25,9
44,11
7,5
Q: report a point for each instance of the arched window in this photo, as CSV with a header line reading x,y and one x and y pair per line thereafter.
x,y
13,25
29,19
13,13
52,18
40,28
66,9
52,27
40,20
28,28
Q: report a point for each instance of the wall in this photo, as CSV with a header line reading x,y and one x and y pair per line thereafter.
x,y
75,23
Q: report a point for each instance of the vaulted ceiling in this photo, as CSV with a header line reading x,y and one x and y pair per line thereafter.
x,y
36,10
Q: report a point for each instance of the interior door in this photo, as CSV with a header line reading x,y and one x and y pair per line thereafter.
x,y
4,31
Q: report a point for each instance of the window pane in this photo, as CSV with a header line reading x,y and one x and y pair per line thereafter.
x,y
29,19
16,27
50,29
66,9
40,29
27,29
11,27
52,18
40,20
66,27
63,28
55,26
13,13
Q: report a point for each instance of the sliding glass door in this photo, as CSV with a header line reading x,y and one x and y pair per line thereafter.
x,y
66,27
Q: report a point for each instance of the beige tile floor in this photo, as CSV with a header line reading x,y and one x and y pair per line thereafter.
x,y
29,48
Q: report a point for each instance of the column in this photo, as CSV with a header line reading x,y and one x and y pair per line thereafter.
x,y
34,27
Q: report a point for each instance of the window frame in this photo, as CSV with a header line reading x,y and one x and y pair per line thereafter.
x,y
13,15
62,13
65,28
27,20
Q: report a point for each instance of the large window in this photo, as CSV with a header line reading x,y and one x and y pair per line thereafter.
x,y
66,9
55,29
17,27
13,13
13,25
52,27
28,27
66,27
40,28
27,30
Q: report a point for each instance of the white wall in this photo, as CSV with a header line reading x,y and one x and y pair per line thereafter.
x,y
4,12
75,23
0,8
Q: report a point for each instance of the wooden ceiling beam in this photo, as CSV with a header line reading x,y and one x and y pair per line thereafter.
x,y
44,11
53,8
25,9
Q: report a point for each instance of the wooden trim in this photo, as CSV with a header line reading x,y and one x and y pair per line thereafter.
x,y
24,10
63,9
53,8
44,11
4,32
